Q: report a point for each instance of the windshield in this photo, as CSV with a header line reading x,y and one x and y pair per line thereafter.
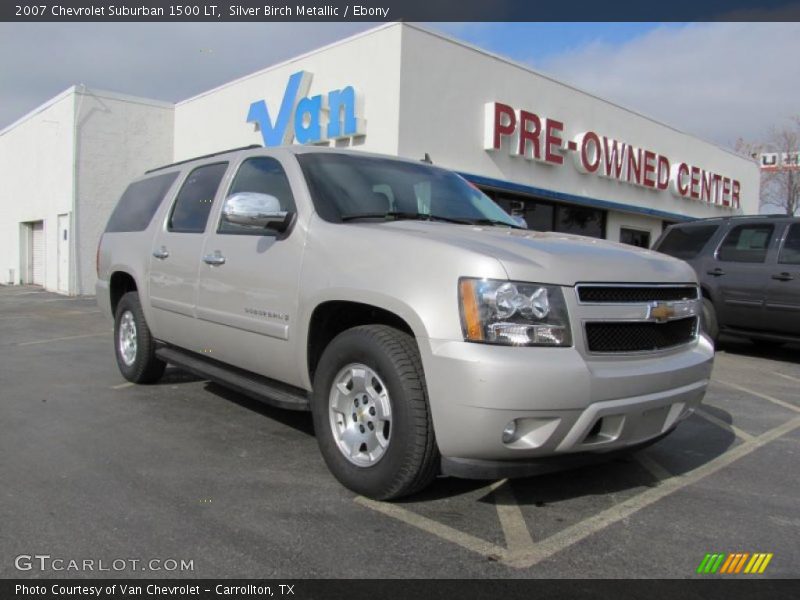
x,y
346,187
686,242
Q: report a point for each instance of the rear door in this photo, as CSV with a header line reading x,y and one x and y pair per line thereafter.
x,y
782,313
740,274
176,252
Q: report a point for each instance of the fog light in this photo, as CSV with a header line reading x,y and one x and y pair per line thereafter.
x,y
509,432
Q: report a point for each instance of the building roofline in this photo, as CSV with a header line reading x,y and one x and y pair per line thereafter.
x,y
468,46
85,90
289,61
552,79
42,107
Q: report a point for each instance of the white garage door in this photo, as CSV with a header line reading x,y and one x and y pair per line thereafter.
x,y
37,253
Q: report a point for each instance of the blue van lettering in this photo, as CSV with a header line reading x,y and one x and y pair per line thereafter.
x,y
307,120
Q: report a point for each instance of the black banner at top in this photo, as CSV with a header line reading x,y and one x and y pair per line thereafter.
x,y
397,10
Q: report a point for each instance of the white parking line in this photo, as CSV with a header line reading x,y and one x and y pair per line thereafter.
x,y
785,376
460,538
772,399
655,469
515,530
59,339
572,535
740,433
122,385
522,552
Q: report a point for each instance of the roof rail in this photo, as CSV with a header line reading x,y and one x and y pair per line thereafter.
x,y
181,162
738,217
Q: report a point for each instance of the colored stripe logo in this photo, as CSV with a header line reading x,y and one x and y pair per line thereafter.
x,y
734,563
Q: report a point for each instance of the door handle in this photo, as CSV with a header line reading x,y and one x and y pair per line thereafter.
x,y
716,272
161,253
783,276
214,260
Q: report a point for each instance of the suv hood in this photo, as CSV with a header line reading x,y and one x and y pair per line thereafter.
x,y
550,257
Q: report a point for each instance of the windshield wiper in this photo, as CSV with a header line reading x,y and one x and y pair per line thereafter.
x,y
400,215
495,222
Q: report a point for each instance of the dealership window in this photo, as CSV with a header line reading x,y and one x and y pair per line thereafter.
x,y
542,215
746,243
580,220
190,213
634,237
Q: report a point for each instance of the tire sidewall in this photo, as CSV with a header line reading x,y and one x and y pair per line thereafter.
x,y
130,303
356,346
709,324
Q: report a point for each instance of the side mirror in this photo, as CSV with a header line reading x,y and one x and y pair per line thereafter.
x,y
256,211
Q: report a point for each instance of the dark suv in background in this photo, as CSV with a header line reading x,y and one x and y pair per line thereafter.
x,y
749,271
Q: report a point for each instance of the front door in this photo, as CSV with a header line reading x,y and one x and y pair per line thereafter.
x,y
248,281
783,290
740,275
176,253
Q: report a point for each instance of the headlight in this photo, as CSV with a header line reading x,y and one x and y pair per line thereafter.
x,y
513,313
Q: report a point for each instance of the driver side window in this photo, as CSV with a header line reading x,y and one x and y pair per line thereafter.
x,y
262,175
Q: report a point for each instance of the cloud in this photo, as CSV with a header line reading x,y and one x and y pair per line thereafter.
x,y
164,61
719,81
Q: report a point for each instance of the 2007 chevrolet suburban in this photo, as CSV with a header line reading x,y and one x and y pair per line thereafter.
x,y
423,327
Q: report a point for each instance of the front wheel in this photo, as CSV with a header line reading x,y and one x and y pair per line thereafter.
x,y
709,321
133,344
371,413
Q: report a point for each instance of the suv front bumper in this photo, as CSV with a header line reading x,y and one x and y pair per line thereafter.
x,y
561,403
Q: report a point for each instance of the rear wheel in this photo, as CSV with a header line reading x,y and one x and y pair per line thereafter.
x,y
709,320
371,413
133,344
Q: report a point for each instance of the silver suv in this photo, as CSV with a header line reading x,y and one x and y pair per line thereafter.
x,y
424,328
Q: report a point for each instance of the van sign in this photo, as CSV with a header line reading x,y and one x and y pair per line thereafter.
x,y
309,120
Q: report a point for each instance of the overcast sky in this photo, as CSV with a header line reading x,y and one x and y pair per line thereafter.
x,y
716,80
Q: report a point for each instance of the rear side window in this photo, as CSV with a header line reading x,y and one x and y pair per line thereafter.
x,y
746,243
190,213
139,203
790,255
687,242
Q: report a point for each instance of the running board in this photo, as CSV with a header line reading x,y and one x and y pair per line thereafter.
x,y
257,387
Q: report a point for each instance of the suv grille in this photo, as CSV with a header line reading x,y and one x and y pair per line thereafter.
x,y
623,336
621,294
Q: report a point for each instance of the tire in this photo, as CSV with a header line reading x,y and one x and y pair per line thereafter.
x,y
137,361
352,442
709,321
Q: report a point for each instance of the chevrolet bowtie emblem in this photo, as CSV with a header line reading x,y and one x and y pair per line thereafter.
x,y
660,312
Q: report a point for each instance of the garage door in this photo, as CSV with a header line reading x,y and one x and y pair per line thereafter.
x,y
37,253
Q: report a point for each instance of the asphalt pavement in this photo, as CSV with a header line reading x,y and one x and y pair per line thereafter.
x,y
187,479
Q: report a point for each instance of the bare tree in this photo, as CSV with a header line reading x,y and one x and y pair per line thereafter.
x,y
780,186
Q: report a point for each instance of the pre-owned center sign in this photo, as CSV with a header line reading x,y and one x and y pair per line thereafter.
x,y
542,139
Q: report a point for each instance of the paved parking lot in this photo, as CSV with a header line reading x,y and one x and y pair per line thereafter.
x,y
95,468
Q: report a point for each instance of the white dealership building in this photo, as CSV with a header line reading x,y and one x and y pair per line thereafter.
x,y
563,159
